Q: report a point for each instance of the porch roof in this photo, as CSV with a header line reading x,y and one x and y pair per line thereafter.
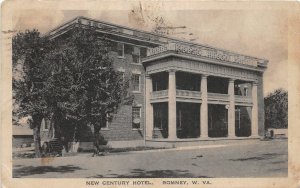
x,y
205,54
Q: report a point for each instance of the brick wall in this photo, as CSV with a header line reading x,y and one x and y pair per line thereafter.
x,y
120,128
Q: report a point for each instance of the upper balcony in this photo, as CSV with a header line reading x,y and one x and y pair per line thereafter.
x,y
159,95
243,99
188,94
162,95
216,98
188,89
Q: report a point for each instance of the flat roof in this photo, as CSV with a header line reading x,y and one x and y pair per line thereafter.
x,y
124,31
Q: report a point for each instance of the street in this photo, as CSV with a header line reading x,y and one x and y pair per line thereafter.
x,y
247,159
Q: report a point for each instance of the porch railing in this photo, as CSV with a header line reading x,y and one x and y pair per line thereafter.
x,y
179,93
159,94
197,95
218,96
188,94
243,99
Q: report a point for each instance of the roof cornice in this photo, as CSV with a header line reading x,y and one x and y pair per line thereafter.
x,y
168,54
127,32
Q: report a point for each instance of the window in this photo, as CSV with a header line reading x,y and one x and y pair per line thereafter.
x,y
120,50
135,81
237,90
45,125
245,91
106,122
136,55
136,117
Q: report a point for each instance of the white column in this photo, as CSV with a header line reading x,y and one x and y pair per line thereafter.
x,y
149,108
172,105
203,108
231,109
254,117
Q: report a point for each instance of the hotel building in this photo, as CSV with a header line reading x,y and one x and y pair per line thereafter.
x,y
183,91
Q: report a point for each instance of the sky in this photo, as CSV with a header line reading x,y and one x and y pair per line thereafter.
x,y
258,33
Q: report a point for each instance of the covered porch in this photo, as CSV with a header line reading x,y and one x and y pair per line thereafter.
x,y
195,100
183,105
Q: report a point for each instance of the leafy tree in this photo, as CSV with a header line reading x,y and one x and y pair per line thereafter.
x,y
83,88
29,75
71,80
276,109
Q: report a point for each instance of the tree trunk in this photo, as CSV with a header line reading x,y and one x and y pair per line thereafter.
x,y
56,123
97,128
36,121
37,141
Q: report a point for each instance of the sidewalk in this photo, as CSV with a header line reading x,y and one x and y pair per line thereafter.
x,y
252,159
202,145
215,144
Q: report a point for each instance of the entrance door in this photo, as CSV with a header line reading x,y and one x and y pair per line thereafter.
x,y
242,121
188,121
217,120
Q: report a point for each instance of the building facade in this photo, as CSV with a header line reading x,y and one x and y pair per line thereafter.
x,y
183,91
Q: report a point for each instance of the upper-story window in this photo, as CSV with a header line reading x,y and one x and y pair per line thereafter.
x,y
136,55
241,89
45,125
245,91
135,81
120,50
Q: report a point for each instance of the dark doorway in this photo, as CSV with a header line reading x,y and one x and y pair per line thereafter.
x,y
188,120
160,116
242,121
217,121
